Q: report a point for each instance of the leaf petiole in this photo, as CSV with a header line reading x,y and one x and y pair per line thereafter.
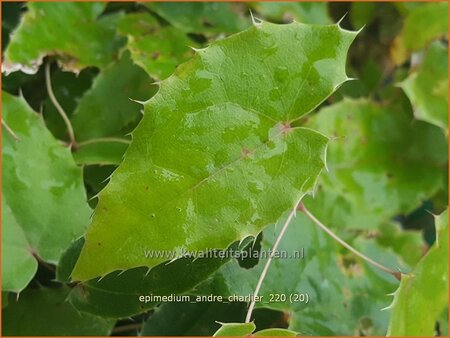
x,y
301,207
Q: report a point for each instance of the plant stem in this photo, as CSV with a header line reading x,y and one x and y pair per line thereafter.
x,y
10,131
104,139
302,208
58,107
269,260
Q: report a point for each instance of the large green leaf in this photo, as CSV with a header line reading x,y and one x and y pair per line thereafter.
x,y
18,265
380,163
216,146
45,312
427,88
423,295
107,108
201,17
41,183
69,30
422,25
157,49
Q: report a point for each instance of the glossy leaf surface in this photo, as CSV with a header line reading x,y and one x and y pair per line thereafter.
x,y
216,146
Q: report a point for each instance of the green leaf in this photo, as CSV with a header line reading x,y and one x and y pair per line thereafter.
x,y
275,333
422,25
216,146
18,264
107,108
200,17
423,295
45,312
105,151
235,329
381,163
69,30
157,49
41,183
118,295
427,87
305,12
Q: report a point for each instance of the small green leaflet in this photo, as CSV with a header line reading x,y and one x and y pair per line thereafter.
x,y
235,329
423,294
427,87
215,148
39,174
157,49
36,309
71,31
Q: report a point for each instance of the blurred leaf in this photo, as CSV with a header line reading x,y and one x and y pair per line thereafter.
x,y
235,329
107,108
45,312
69,30
109,151
381,163
305,12
422,25
195,190
407,244
427,87
201,17
361,14
158,50
423,295
20,266
39,174
345,295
